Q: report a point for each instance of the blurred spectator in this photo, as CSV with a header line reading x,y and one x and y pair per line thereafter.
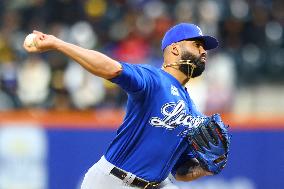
x,y
134,49
33,82
221,76
6,102
8,75
86,90
82,34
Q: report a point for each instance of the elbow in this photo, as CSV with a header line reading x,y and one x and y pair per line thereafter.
x,y
183,178
106,71
114,70
192,175
112,74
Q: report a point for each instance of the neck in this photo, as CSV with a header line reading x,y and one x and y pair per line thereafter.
x,y
176,73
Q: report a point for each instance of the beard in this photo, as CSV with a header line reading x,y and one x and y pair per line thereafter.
x,y
186,68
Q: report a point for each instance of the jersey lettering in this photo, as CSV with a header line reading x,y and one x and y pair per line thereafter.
x,y
175,115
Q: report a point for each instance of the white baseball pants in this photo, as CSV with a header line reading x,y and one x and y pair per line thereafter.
x,y
99,177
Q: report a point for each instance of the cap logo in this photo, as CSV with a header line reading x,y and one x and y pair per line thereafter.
x,y
200,32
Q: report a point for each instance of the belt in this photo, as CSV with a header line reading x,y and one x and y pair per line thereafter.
x,y
137,182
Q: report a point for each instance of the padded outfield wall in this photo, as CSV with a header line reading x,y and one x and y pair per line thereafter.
x,y
53,150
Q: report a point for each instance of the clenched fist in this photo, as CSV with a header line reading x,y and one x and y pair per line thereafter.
x,y
42,42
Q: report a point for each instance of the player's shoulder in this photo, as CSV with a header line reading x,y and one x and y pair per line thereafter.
x,y
149,67
146,68
141,65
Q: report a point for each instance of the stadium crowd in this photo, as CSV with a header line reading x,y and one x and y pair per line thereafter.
x,y
250,33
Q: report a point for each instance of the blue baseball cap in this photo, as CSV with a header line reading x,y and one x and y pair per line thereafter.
x,y
185,31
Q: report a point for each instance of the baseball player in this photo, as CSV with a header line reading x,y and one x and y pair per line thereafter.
x,y
155,138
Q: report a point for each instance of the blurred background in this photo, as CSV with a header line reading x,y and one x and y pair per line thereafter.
x,y
56,119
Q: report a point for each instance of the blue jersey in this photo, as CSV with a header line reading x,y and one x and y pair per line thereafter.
x,y
159,114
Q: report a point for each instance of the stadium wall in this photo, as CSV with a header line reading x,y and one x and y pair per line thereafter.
x,y
53,150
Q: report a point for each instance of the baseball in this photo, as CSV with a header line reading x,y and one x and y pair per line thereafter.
x,y
29,40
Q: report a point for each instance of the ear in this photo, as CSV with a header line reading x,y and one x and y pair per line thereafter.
x,y
175,49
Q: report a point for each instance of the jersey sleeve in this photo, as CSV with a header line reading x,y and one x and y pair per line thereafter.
x,y
134,78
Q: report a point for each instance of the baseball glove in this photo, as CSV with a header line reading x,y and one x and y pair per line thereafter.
x,y
210,143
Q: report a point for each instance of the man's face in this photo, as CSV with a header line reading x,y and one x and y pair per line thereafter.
x,y
193,50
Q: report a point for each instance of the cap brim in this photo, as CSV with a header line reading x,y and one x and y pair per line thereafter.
x,y
209,42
